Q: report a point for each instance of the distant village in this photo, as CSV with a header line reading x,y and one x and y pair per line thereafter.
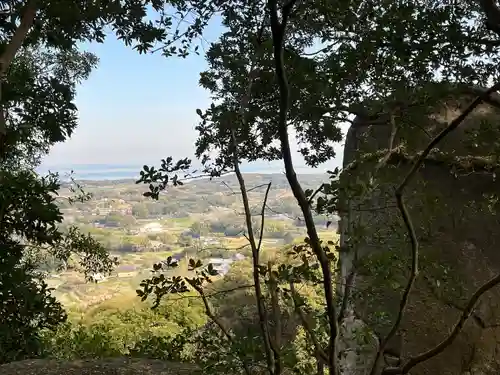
x,y
139,228
105,207
219,264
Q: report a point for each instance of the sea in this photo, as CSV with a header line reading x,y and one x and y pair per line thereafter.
x,y
94,172
99,172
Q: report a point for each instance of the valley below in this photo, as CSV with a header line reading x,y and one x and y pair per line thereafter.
x,y
200,220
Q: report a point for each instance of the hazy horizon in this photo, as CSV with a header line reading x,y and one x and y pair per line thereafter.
x,y
137,109
131,171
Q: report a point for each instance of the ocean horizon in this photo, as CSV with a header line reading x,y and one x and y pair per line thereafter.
x,y
100,172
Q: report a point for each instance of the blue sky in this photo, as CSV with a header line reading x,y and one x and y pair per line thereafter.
x,y
136,109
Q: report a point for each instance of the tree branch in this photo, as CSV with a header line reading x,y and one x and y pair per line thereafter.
x,y
262,216
347,292
398,155
410,228
438,349
263,321
276,343
270,352
450,128
450,303
27,19
278,33
317,346
390,147
492,99
492,13
211,315
316,192
19,36
219,292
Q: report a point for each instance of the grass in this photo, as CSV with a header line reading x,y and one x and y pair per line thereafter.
x,y
328,235
72,290
184,222
144,258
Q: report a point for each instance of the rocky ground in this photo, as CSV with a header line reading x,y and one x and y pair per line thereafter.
x,y
115,366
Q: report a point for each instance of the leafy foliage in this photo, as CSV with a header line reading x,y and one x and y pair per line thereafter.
x,y
40,67
26,307
40,91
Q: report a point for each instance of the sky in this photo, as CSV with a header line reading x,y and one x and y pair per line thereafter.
x,y
137,109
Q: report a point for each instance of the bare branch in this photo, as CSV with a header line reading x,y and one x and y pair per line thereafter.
x,y
263,321
211,315
492,99
317,346
451,127
347,293
438,349
316,192
278,33
276,343
262,216
449,302
466,164
390,147
411,281
259,186
219,292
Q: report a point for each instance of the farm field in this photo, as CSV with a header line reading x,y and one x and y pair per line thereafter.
x,y
202,220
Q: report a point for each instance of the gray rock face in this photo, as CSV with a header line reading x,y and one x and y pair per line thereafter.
x,y
453,207
356,346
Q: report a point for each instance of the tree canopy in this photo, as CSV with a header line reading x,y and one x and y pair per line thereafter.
x,y
41,64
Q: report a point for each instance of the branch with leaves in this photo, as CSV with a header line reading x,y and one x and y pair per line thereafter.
x,y
208,310
271,351
10,51
320,353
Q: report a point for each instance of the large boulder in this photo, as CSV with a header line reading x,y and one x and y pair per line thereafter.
x,y
455,213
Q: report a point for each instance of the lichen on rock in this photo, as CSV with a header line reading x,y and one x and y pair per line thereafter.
x,y
454,206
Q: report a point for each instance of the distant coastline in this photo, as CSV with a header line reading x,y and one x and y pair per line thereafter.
x,y
94,171
101,172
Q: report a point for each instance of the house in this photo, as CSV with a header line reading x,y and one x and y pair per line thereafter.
x,y
151,228
97,277
105,207
210,241
178,256
238,256
156,245
221,265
